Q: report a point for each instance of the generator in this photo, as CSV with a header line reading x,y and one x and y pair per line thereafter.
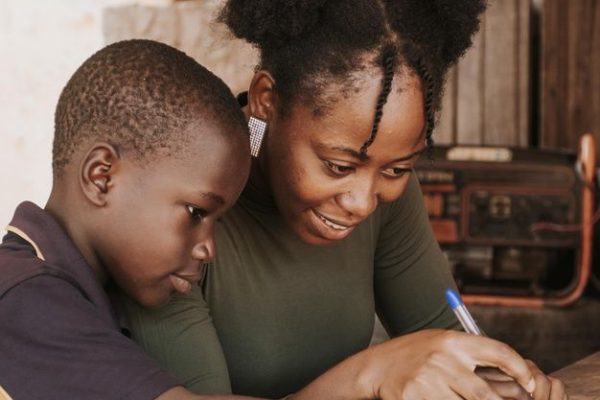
x,y
515,224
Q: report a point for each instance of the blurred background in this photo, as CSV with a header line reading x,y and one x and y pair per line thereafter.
x,y
530,84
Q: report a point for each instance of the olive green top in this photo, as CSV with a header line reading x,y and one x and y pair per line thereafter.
x,y
279,312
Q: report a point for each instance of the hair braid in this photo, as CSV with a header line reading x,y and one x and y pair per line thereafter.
x,y
429,97
388,76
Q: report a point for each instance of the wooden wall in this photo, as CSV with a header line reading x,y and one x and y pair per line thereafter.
x,y
188,26
521,84
487,99
569,72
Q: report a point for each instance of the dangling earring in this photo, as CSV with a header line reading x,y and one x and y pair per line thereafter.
x,y
257,129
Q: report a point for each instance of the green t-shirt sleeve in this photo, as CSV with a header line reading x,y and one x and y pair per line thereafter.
x,y
182,338
411,273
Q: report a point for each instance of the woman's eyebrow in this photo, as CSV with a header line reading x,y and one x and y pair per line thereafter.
x,y
411,155
356,154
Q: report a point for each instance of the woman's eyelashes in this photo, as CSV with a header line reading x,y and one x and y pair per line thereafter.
x,y
397,172
197,214
341,170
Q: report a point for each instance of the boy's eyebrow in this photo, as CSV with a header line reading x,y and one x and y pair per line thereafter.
x,y
356,154
213,196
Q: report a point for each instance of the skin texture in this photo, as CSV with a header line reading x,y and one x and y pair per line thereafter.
x,y
148,224
311,164
308,163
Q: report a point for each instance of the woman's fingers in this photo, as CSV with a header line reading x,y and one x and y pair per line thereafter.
x,y
471,387
546,387
509,390
557,389
492,353
502,384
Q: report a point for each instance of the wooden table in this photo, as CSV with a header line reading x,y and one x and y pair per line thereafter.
x,y
582,378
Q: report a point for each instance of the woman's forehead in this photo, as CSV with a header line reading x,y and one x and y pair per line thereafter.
x,y
329,94
350,118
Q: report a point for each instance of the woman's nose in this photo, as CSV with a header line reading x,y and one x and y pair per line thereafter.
x,y
360,201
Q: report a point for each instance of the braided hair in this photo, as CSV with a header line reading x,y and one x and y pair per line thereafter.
x,y
308,45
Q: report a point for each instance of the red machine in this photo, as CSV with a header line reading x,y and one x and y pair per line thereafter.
x,y
516,225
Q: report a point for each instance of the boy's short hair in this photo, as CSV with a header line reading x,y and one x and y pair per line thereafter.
x,y
139,95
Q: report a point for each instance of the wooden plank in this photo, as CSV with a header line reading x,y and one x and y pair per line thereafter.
x,y
469,108
582,379
553,71
580,48
570,85
500,84
523,106
189,26
445,130
594,95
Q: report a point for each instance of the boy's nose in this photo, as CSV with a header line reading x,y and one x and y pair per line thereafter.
x,y
204,250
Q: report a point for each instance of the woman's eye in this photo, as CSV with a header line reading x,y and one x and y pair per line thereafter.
x,y
339,169
196,213
396,172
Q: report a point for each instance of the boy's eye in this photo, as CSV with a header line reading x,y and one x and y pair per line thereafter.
x,y
396,172
339,169
196,213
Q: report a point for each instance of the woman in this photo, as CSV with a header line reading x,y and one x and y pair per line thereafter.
x,y
331,226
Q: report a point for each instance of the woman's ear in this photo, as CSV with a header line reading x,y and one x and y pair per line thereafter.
x,y
261,95
96,172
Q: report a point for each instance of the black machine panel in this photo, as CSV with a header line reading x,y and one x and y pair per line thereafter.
x,y
507,219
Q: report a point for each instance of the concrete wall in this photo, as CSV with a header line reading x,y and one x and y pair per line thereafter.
x,y
41,45
43,42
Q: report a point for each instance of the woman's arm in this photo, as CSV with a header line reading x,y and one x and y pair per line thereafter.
x,y
182,338
411,273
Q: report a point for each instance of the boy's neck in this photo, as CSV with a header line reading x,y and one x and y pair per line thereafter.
x,y
68,215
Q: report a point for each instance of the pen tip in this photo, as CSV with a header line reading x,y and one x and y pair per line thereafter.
x,y
453,298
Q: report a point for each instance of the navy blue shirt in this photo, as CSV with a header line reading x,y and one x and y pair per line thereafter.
x,y
59,335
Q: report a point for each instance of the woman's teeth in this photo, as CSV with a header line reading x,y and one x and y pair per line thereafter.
x,y
332,225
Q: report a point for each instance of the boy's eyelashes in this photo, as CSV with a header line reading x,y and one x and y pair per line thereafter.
x,y
196,213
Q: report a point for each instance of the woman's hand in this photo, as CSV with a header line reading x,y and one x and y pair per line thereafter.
x,y
438,364
546,387
434,364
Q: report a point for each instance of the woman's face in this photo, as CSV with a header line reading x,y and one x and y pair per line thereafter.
x,y
321,186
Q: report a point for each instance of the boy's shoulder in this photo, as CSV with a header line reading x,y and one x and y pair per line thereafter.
x,y
58,321
18,264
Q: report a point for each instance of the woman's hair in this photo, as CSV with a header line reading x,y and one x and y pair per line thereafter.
x,y
309,44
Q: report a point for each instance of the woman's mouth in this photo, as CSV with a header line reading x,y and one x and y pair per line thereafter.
x,y
328,229
332,224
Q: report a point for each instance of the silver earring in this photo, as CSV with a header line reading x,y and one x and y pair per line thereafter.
x,y
257,129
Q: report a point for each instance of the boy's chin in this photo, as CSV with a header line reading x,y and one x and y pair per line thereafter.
x,y
152,301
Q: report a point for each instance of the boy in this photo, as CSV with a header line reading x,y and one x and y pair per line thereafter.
x,y
150,149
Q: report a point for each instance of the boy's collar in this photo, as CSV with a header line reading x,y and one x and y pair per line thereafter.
x,y
50,241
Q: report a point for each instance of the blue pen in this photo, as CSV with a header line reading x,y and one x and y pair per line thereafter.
x,y
463,315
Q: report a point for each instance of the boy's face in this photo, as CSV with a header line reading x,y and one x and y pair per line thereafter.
x,y
158,226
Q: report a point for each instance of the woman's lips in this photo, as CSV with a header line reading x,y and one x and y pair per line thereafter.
x,y
331,224
329,229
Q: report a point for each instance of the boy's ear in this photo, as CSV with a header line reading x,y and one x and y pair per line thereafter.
x,y
261,95
96,172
